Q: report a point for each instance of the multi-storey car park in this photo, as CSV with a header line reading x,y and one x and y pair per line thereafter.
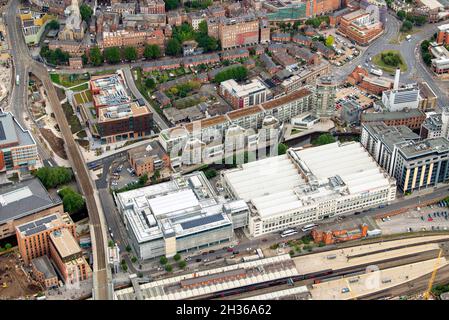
x,y
309,185
180,215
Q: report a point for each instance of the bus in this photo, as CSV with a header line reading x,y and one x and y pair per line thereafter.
x,y
288,232
308,227
377,72
260,253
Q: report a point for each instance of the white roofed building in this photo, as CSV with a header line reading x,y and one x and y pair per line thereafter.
x,y
307,185
178,216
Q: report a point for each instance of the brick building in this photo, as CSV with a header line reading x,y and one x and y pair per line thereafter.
x,y
153,7
413,118
147,159
44,273
360,26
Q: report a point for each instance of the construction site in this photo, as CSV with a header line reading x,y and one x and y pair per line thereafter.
x,y
15,282
378,269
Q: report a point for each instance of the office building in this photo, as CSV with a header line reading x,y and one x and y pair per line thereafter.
x,y
33,238
308,185
324,100
244,95
68,257
126,121
180,215
54,236
18,150
399,99
436,125
361,26
23,202
410,118
118,117
44,273
243,30
147,159
414,163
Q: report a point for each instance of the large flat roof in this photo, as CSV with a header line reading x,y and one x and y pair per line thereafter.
x,y
275,185
64,243
24,198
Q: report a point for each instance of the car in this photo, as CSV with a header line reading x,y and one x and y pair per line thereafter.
x,y
430,219
204,253
229,250
198,260
264,240
211,251
344,290
422,218
236,252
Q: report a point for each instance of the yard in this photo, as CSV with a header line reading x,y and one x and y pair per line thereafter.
x,y
390,67
69,80
71,117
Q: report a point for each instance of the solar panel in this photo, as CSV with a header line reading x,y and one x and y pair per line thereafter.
x,y
27,226
46,220
201,221
2,132
36,230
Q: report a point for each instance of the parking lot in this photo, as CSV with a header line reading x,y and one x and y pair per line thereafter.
x,y
345,49
120,175
430,218
364,99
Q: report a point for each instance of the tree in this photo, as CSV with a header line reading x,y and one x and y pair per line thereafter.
x,y
130,53
182,264
171,4
143,179
173,47
72,201
124,267
133,259
96,58
168,268
128,248
323,139
84,59
53,24
401,14
238,73
8,246
177,257
210,173
51,177
202,27
152,51
427,58
112,55
110,243
329,41
163,260
150,83
291,253
282,148
407,25
86,12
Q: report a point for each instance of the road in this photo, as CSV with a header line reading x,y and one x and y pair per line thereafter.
x,y
24,64
160,122
18,99
410,51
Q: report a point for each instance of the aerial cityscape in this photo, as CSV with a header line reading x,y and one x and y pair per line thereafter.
x,y
224,150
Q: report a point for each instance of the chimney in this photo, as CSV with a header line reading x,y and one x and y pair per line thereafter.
x,y
396,79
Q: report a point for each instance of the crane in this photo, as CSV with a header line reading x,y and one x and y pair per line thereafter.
x,y
432,278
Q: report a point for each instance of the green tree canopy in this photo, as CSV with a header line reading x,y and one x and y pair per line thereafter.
x,y
130,54
163,260
86,12
171,4
150,83
168,268
112,55
177,257
282,148
51,177
53,24
407,25
401,14
96,58
238,73
152,51
72,201
323,139
329,41
182,264
173,47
